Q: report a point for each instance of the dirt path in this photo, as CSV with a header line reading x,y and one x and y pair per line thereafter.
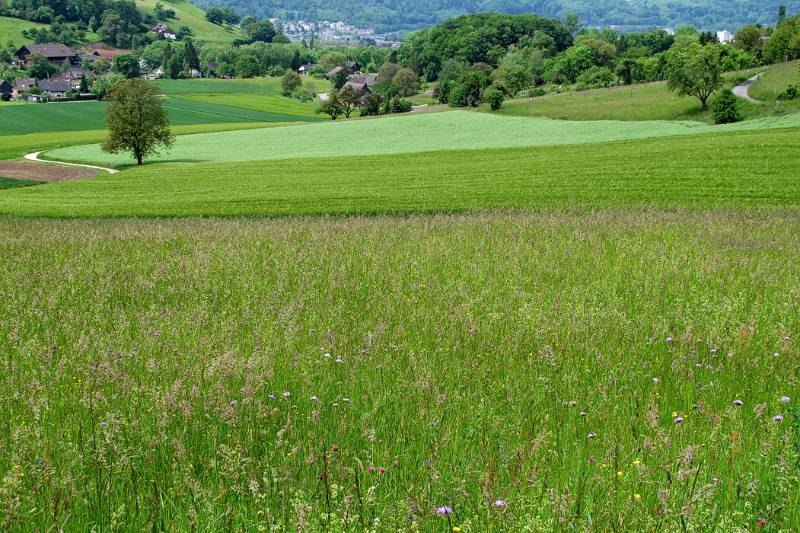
x,y
35,157
30,170
743,90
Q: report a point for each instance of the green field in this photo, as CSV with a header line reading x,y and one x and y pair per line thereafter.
x,y
407,134
267,85
187,14
775,81
11,30
9,183
725,170
429,362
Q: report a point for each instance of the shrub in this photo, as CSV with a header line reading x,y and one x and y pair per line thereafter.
x,y
792,92
302,94
494,97
725,108
596,77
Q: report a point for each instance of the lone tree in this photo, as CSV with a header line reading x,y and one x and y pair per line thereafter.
x,y
695,70
290,83
136,121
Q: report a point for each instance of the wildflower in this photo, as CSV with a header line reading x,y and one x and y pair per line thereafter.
x,y
327,355
656,381
709,367
104,424
637,497
761,522
738,403
335,448
668,339
500,503
271,396
785,399
346,400
620,473
370,469
678,419
314,398
776,354
637,462
591,435
674,414
456,529
582,413
777,418
234,404
713,350
381,470
338,359
444,510
286,394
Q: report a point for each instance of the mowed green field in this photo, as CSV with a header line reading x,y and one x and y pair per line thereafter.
x,y
11,30
775,81
519,372
407,134
187,14
726,169
266,85
253,100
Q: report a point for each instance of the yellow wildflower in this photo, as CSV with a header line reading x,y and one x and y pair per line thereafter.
x,y
637,497
619,473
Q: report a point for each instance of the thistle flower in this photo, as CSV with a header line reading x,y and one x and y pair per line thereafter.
x,y
444,510
785,399
738,403
500,503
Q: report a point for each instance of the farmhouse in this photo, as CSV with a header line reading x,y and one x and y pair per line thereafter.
x,y
165,31
5,90
368,81
54,52
73,76
109,54
306,69
22,85
55,89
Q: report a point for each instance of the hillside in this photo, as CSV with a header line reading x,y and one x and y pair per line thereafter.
x,y
399,15
11,30
187,14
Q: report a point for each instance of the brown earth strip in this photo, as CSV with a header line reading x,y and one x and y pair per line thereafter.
x,y
31,170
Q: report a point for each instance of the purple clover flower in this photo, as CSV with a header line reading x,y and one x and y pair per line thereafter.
x,y
785,399
444,510
678,419
104,424
500,503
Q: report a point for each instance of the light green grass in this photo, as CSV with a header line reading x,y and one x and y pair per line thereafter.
x,y
192,16
732,170
775,81
652,101
405,134
11,30
455,361
15,146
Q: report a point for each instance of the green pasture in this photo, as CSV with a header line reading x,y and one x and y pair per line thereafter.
x,y
9,183
187,14
277,106
11,30
80,116
265,85
411,133
524,371
775,81
756,168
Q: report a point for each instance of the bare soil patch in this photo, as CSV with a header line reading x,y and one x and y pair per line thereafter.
x,y
31,170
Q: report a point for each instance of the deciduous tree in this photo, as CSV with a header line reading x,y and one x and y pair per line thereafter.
x,y
137,123
695,70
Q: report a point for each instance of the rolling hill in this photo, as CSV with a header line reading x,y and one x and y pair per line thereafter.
x,y
400,15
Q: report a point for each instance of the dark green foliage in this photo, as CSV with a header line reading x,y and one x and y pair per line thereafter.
x,y
695,70
596,77
725,108
494,97
136,121
127,65
290,83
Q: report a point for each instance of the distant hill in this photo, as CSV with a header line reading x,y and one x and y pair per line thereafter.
x,y
402,15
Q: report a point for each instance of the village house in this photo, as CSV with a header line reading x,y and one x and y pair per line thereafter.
x,y
22,85
109,53
165,31
725,37
54,89
55,53
5,90
368,80
305,70
333,72
73,76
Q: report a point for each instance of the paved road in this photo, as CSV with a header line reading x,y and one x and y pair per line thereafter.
x,y
35,157
743,90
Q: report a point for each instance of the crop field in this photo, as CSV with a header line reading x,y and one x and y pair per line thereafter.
x,y
594,371
757,168
8,183
80,116
406,134
266,85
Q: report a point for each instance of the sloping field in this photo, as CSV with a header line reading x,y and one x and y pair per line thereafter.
x,y
266,85
79,116
187,14
263,103
775,81
758,168
405,134
11,30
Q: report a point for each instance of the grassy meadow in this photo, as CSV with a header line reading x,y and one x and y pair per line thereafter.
x,y
187,14
740,169
525,371
11,30
408,134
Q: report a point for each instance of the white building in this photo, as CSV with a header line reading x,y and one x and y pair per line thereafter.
x,y
725,36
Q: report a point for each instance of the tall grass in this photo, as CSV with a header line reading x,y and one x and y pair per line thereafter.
x,y
527,372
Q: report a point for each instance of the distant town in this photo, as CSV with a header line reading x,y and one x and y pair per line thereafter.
x,y
332,32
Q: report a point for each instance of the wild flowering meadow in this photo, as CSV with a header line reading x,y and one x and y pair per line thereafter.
x,y
482,372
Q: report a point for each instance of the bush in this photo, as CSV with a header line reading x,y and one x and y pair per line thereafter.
x,y
725,108
596,77
494,97
400,106
302,94
791,93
